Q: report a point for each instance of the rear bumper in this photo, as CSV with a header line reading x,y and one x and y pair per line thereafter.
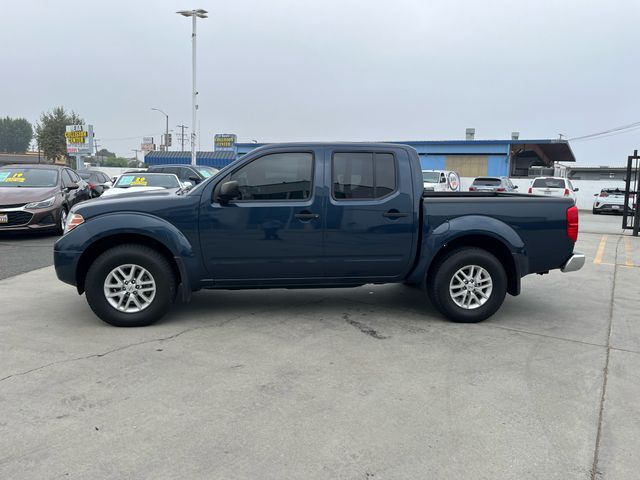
x,y
575,263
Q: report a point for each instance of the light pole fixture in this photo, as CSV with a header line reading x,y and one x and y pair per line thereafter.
x,y
166,132
194,14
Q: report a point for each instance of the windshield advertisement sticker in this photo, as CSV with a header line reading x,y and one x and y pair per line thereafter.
x,y
4,175
139,182
125,181
17,177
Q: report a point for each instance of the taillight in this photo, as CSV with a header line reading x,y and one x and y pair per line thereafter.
x,y
472,189
500,189
572,223
566,192
530,190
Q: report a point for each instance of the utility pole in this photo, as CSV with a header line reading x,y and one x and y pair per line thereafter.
x,y
165,143
95,146
194,14
182,127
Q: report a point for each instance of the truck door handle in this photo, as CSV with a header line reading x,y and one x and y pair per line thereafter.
x,y
306,216
394,214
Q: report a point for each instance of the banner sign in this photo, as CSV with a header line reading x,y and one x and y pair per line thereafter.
x,y
225,142
79,139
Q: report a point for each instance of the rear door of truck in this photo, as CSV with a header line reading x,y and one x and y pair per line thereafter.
x,y
370,222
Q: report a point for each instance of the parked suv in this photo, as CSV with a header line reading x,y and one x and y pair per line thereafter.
x,y
38,197
553,187
186,173
611,200
492,184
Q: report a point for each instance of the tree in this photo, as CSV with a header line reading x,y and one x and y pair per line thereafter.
x,y
15,135
104,153
115,162
50,131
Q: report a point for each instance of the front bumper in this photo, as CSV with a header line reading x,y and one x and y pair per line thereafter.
x,y
575,263
20,219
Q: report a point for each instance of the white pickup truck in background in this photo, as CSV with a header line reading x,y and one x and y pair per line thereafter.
x,y
441,180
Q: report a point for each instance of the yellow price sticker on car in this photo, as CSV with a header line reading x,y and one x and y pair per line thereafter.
x,y
139,182
16,177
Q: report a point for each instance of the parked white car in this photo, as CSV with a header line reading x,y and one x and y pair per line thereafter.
x,y
441,180
144,182
553,187
611,200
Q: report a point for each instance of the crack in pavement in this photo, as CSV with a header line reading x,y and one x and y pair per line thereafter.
x,y
144,342
109,352
596,451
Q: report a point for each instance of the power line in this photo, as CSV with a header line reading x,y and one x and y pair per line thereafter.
x,y
631,126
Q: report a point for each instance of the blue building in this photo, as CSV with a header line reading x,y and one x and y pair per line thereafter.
x,y
471,158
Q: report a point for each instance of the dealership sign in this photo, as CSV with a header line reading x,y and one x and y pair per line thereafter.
x,y
225,142
147,145
79,139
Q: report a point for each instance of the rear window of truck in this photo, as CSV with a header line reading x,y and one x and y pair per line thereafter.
x,y
361,176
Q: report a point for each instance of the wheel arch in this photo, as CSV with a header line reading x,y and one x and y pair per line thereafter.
x,y
95,249
489,243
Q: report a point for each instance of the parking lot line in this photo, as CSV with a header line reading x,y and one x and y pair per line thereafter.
x,y
600,251
628,253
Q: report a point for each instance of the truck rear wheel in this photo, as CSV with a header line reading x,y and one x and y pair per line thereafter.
x,y
467,285
130,286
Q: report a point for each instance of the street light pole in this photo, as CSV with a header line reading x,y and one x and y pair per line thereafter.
x,y
194,14
166,131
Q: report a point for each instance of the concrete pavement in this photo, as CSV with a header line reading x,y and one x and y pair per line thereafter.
x,y
366,383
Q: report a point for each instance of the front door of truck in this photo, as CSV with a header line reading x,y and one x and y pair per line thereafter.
x,y
370,222
271,230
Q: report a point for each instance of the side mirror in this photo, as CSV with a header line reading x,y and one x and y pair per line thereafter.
x,y
595,194
73,186
228,191
187,185
515,187
576,189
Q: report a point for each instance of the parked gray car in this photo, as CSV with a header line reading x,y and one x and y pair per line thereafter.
x,y
492,184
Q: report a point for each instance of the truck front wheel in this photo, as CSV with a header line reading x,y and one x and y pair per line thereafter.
x,y
130,286
467,285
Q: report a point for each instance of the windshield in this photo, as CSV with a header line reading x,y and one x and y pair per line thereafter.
x,y
548,183
487,182
207,172
28,177
431,177
148,180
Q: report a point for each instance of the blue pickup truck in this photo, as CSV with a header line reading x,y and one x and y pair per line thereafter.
x,y
313,215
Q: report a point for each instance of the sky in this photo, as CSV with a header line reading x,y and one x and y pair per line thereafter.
x,y
325,70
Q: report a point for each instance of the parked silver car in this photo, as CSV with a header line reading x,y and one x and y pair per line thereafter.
x,y
492,184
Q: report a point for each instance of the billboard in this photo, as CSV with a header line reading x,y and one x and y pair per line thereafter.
x,y
79,139
225,142
147,147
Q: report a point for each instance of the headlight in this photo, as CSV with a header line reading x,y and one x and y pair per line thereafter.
x,y
73,220
42,204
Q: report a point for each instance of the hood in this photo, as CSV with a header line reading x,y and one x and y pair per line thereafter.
x,y
132,190
22,195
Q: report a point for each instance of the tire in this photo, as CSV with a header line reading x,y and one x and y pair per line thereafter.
x,y
595,212
154,292
446,275
62,218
